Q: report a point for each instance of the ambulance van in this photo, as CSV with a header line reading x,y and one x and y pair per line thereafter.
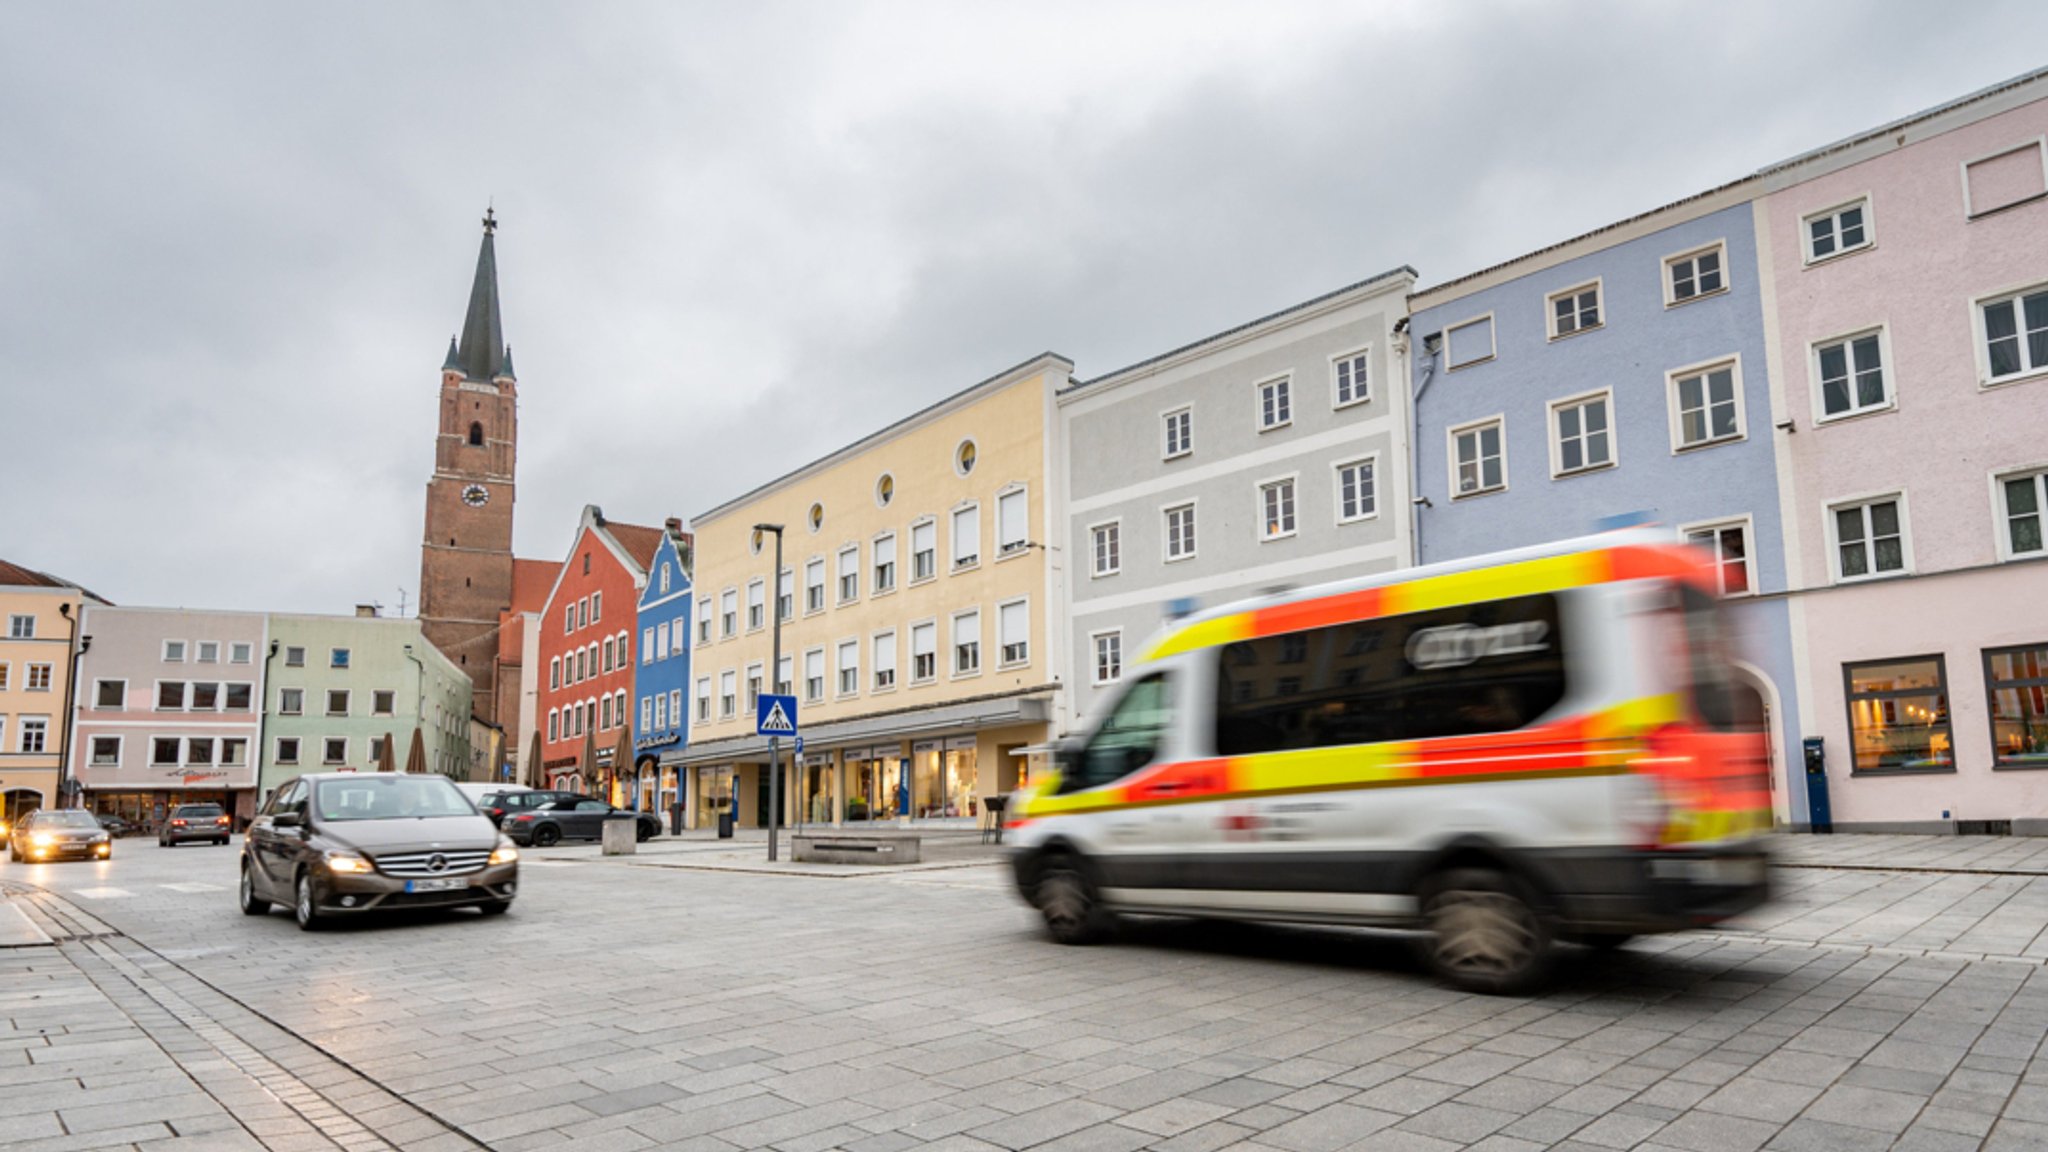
x,y
1501,753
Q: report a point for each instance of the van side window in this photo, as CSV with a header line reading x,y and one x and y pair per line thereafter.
x,y
1489,667
1128,740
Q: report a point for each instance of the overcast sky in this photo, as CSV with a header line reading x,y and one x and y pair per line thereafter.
x,y
234,239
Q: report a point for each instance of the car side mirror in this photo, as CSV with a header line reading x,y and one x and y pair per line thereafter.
x,y
288,820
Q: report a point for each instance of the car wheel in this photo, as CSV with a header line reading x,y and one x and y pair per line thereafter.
x,y
1067,899
546,836
252,904
1484,933
642,833
304,910
495,908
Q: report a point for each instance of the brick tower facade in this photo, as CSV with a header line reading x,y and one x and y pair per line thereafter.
x,y
466,554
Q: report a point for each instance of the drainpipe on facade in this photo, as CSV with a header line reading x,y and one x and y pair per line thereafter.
x,y
419,691
76,650
263,721
1417,501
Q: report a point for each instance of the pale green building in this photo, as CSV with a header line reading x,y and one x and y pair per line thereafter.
x,y
336,687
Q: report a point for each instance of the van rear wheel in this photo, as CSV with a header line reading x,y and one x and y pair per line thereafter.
x,y
1067,899
1485,935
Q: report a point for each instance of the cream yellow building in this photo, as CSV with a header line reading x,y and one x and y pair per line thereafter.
x,y
920,620
39,617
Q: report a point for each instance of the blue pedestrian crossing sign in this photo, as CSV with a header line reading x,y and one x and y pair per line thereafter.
x,y
775,716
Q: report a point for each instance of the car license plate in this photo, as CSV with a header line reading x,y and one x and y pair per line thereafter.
x,y
444,884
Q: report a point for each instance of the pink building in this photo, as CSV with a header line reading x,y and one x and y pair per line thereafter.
x,y
1906,277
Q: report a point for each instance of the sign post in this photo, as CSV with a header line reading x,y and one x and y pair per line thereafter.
x,y
775,718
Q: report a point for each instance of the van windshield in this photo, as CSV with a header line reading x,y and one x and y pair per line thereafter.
x,y
388,798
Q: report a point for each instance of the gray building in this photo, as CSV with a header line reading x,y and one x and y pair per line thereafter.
x,y
1271,455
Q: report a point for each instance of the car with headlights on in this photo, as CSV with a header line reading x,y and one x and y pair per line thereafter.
x,y
335,844
59,834
195,822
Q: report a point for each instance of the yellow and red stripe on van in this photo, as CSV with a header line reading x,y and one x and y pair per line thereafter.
x,y
1450,590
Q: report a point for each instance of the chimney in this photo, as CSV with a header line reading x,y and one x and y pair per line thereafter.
x,y
366,610
675,526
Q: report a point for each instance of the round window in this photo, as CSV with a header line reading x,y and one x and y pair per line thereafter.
x,y
817,517
963,457
885,490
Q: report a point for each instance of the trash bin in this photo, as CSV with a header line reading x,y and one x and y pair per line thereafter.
x,y
725,825
675,819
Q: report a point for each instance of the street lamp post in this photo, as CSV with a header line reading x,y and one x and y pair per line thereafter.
x,y
775,666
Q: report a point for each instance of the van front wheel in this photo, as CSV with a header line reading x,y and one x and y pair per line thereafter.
x,y
1484,933
1067,899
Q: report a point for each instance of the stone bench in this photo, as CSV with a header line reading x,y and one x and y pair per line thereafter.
x,y
853,848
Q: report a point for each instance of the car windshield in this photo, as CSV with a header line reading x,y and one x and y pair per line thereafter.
x,y
388,798
198,810
72,819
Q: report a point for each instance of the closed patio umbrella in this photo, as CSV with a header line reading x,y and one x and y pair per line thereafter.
x,y
590,760
622,767
416,759
384,754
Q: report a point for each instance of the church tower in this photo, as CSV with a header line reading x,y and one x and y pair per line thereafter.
x,y
466,555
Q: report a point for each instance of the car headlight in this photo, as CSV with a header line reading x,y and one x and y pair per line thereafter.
x,y
42,840
505,852
100,838
347,862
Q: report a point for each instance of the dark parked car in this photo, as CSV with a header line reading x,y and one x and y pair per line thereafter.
x,y
57,834
337,843
117,827
508,801
573,818
195,822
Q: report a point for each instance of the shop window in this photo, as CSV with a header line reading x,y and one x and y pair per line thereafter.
x,y
2018,683
1898,716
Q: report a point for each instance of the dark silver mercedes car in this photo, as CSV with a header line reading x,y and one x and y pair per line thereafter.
x,y
338,843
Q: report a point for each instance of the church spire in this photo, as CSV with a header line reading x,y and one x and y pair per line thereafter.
x,y
481,354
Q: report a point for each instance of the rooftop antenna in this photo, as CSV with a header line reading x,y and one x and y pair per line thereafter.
x,y
401,603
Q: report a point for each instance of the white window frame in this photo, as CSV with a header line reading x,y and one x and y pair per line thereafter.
x,y
206,652
1897,495
1890,403
706,614
954,561
785,578
2040,146
1598,287
757,605
1869,230
1451,435
1284,382
42,729
2001,518
875,562
16,629
840,668
1337,400
1747,524
327,744
823,586
1983,340
49,677
932,624
277,752
1293,482
1166,449
875,668
1095,640
1166,511
97,681
182,647
824,677
728,613
1677,423
953,645
92,757
1006,549
931,522
728,693
1556,437
702,713
1001,661
1372,463
241,652
1492,342
757,672
1668,267
1115,526
840,572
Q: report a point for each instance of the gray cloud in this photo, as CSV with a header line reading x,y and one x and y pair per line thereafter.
x,y
235,238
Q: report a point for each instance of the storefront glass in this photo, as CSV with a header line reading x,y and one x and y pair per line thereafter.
x,y
816,790
1898,716
943,779
714,794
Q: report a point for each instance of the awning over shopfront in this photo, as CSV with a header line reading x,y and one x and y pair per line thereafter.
x,y
966,715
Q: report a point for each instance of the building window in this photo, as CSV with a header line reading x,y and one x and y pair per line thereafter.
x,y
704,621
35,733
209,652
1106,546
604,713
199,752
1013,533
383,702
170,696
1837,231
754,673
375,752
1468,343
476,435
1692,275
849,574
2024,498
38,678
924,550
966,643
3,675
1728,546
964,457
237,697
174,651
335,752
163,751
1851,372
291,701
885,563
1013,632
649,653
568,619
1180,532
728,686
110,694
1581,440
1352,378
294,657
1276,406
885,661
288,749
784,669
1478,460
2017,679
23,627
816,517
924,652
1706,406
1898,716
205,697
609,660
239,653
849,667
664,579
1276,509
729,612
1180,432
106,751
966,536
814,674
757,605
555,673
554,725
814,586
703,699
1109,657
785,595
596,607
2013,177
2015,335
1869,539
337,702
1357,491
1574,310
337,658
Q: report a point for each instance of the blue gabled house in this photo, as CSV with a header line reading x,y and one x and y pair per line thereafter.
x,y
661,679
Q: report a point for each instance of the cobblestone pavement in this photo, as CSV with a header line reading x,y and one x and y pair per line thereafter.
x,y
632,1003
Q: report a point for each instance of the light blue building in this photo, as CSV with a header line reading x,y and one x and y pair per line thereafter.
x,y
1621,376
661,679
